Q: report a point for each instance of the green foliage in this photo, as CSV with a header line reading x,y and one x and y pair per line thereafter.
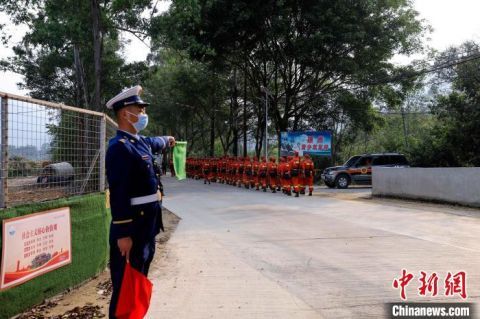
x,y
323,62
20,167
454,138
389,136
186,97
90,222
60,28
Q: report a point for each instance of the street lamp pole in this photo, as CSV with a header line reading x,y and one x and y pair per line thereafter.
x,y
266,124
266,120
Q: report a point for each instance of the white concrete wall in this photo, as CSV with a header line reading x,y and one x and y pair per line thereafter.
x,y
456,185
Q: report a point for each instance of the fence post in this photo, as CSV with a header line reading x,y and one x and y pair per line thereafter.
x,y
4,153
103,136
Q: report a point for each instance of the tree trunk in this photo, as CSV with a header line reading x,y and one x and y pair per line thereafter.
x,y
97,53
245,107
212,124
80,74
235,113
212,134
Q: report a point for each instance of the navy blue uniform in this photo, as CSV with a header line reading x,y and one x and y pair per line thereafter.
x,y
135,202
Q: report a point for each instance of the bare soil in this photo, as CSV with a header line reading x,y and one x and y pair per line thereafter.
x,y
91,299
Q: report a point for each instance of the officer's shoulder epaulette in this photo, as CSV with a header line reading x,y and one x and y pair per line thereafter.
x,y
118,142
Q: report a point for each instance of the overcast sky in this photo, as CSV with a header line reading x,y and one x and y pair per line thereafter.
x,y
453,22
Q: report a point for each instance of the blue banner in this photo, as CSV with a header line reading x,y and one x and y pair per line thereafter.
x,y
309,142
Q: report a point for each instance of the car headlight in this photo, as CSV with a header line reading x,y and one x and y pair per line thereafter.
x,y
331,173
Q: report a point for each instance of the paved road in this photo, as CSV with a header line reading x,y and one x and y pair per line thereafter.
x,y
244,254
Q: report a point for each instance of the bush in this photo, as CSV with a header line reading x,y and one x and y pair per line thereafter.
x,y
20,167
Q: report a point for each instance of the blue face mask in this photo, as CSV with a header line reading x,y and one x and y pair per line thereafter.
x,y
141,123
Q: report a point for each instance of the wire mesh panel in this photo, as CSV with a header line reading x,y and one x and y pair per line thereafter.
x,y
110,131
50,150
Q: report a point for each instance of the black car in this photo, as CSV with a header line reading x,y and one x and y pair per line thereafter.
x,y
358,169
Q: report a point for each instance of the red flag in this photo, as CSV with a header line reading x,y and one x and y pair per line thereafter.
x,y
135,294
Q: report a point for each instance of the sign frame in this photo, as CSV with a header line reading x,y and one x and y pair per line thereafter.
x,y
288,139
43,270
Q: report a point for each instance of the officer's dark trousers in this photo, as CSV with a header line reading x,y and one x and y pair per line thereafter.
x,y
141,255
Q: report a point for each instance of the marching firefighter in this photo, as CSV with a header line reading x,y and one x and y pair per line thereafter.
x,y
308,173
214,171
229,170
296,173
247,172
240,166
262,174
255,165
272,174
285,176
206,170
223,170
197,168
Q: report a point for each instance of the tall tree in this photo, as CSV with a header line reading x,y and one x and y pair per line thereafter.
x,y
302,52
70,45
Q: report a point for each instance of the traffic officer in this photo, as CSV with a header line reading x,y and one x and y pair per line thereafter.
x,y
135,199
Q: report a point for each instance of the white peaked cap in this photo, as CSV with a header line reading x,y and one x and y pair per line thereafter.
x,y
127,97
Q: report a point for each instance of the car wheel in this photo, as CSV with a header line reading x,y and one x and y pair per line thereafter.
x,y
342,181
330,185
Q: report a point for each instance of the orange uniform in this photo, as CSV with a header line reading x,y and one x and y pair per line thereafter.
x,y
197,168
247,172
296,173
233,172
207,171
285,177
239,174
255,165
262,174
219,170
308,173
272,173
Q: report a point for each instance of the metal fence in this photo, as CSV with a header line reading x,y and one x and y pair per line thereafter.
x,y
50,150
